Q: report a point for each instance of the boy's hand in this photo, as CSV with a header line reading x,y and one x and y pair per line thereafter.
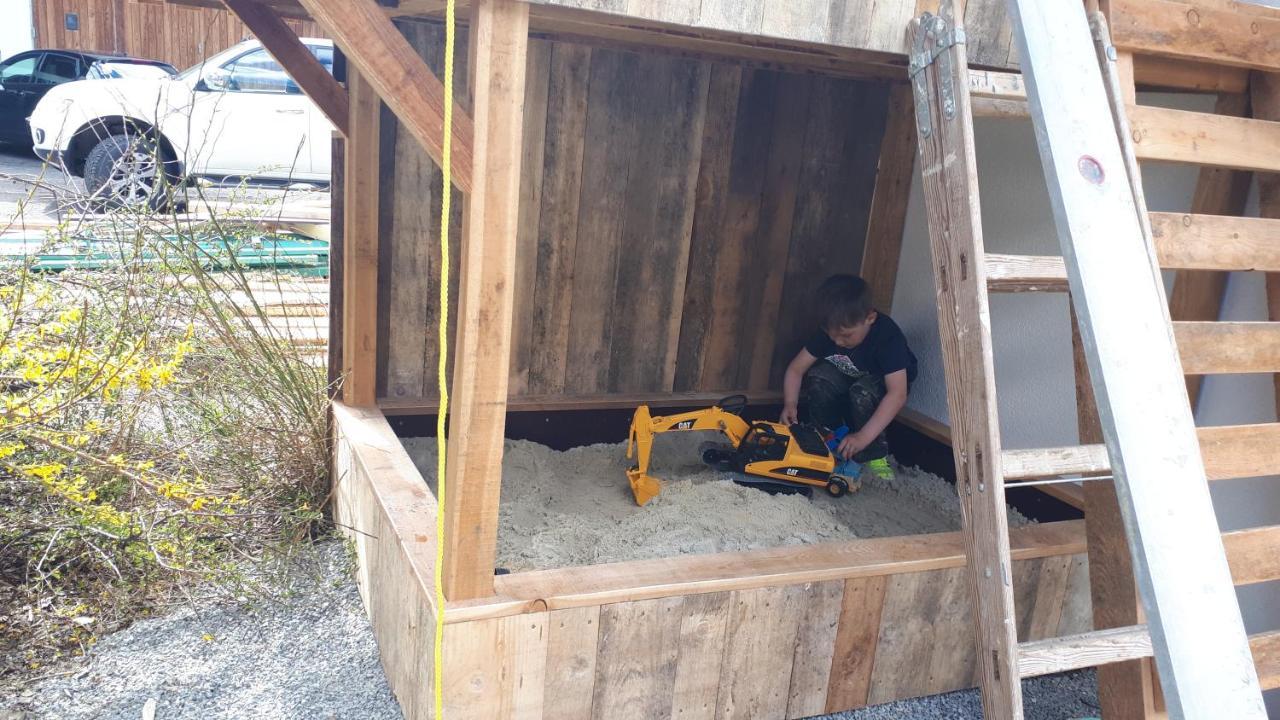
x,y
852,444
789,416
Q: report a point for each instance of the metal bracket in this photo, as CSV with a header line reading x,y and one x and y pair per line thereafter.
x,y
944,37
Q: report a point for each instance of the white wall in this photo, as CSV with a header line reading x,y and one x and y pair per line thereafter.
x,y
1031,332
16,31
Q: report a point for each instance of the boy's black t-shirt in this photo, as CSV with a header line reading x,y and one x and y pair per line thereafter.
x,y
882,352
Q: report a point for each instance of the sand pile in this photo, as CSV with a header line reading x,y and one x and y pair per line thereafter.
x,y
575,507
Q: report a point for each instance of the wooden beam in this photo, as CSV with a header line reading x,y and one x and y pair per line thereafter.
x,y
1151,72
1035,463
1093,649
1196,31
498,42
950,177
337,263
1265,96
1254,554
600,401
1205,139
279,40
629,581
1266,656
360,246
1208,348
1216,242
883,245
1185,583
376,48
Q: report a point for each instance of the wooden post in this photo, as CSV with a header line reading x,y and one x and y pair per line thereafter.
x,y
482,355
1201,647
883,244
949,169
1265,89
360,245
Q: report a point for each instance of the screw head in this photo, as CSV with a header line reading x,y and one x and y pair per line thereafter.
x,y
1091,170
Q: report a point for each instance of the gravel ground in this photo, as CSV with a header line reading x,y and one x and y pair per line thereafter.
x,y
313,656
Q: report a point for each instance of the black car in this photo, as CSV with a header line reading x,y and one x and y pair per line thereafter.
x,y
26,77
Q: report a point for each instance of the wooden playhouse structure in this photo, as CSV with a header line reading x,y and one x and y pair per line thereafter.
x,y
641,188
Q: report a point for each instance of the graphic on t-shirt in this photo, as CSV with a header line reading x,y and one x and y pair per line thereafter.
x,y
845,365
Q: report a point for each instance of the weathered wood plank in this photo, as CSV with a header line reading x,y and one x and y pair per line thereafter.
x,y
1254,554
360,246
952,661
558,219
498,44
1264,95
1044,657
759,652
656,222
1216,242
714,260
1204,139
533,147
573,637
821,605
612,143
906,637
1049,595
883,245
1025,273
1266,655
636,665
495,668
1228,347
856,641
1032,463
1196,31
702,640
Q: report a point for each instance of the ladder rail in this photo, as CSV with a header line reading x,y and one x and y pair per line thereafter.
x,y
949,172
1200,645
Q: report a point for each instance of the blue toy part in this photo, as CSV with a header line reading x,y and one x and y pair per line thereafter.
x,y
835,436
847,468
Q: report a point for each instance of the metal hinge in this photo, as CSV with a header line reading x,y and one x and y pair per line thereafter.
x,y
933,26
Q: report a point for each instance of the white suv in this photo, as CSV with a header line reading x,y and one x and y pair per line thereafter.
x,y
237,115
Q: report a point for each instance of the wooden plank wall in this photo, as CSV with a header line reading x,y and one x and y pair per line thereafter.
x,y
676,213
763,654
176,34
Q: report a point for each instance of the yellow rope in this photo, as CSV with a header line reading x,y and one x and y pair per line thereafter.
x,y
442,368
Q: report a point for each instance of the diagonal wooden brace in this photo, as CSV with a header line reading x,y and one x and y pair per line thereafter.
x,y
404,82
279,40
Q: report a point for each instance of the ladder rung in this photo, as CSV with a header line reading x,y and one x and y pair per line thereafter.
x,y
1216,242
1050,462
1025,273
1229,451
1073,652
1228,347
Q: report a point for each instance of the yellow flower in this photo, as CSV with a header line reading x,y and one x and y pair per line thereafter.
x,y
207,637
46,471
197,503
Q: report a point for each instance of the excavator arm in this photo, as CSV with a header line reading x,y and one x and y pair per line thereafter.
x,y
644,426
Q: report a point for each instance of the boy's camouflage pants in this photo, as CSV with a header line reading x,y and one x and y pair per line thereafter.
x,y
829,398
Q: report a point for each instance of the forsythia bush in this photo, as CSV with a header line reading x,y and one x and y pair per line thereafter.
x,y
153,437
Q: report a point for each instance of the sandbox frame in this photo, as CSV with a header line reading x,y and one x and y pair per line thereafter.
x,y
783,632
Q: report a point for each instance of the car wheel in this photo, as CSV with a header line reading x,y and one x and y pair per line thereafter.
x,y
128,171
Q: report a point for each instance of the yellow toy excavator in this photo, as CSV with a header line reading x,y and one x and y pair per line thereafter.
x,y
779,457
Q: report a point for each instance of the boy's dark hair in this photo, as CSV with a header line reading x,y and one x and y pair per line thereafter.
x,y
843,301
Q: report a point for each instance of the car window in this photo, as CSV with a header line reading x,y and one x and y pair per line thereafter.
x,y
258,72
20,71
324,54
128,70
57,68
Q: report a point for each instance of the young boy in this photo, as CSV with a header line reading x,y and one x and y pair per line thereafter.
x,y
854,371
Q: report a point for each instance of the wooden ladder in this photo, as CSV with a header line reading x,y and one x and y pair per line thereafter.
x,y
1194,627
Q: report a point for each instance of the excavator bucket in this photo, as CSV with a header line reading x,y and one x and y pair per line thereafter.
x,y
644,487
639,441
